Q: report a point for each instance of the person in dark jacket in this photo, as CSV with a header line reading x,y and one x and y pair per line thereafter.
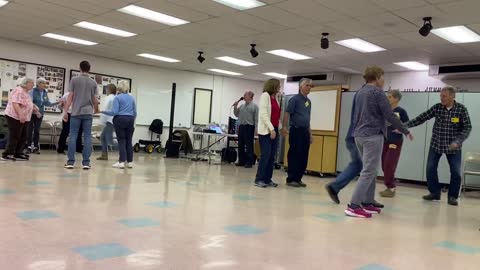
x,y
40,98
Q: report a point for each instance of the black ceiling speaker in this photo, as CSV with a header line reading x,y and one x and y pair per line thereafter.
x,y
427,26
200,58
253,52
324,43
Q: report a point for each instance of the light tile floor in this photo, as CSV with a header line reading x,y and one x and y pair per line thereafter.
x,y
177,214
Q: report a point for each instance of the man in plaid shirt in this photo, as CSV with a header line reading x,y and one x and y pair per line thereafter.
x,y
451,128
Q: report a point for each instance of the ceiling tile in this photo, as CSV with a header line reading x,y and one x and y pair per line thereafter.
x,y
389,23
280,16
172,9
310,9
352,8
356,28
395,4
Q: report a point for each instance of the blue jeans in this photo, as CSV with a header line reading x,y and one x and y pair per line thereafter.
x,y
268,149
75,122
124,128
455,162
352,170
107,136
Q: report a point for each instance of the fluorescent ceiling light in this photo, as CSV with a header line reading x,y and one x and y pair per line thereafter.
x,y
152,15
69,39
241,4
360,45
3,3
105,29
276,75
225,72
412,65
159,58
236,61
289,54
457,34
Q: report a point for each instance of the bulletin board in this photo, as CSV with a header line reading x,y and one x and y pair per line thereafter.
x,y
12,70
325,109
102,81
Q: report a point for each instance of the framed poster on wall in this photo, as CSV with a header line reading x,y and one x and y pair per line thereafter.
x,y
102,81
12,70
202,106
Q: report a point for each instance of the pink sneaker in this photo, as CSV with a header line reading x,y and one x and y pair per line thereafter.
x,y
371,209
357,212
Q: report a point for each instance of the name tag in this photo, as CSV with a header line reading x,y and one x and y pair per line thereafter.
x,y
398,115
307,104
392,146
455,120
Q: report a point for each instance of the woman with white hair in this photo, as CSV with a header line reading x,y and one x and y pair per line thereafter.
x,y
18,113
124,112
40,98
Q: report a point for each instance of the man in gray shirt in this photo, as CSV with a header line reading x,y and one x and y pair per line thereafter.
x,y
372,112
247,119
84,103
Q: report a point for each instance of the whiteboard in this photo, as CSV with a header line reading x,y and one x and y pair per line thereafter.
x,y
155,104
324,110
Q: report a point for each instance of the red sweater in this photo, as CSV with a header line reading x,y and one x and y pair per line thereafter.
x,y
275,116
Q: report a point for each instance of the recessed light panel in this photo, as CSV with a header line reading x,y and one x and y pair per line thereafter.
x,y
69,39
360,45
457,34
152,15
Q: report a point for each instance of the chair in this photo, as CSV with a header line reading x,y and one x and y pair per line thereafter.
x,y
47,133
471,166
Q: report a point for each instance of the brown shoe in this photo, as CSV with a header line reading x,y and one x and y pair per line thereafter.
x,y
104,156
388,193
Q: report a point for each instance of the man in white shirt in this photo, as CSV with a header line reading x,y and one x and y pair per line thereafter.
x,y
62,140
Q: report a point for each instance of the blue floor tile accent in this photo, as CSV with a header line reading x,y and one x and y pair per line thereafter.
x,y
36,214
245,229
162,204
306,192
6,191
103,251
329,217
38,183
244,197
458,247
139,222
107,187
70,175
374,267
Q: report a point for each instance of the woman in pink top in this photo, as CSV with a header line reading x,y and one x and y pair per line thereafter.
x,y
18,113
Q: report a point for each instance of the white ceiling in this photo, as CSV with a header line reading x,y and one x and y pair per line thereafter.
x,y
282,24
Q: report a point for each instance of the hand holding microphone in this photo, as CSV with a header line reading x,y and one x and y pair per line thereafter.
x,y
236,103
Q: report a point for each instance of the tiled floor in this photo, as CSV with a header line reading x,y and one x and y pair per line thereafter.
x,y
177,214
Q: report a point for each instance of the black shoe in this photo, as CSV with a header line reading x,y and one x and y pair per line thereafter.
x,y
452,201
8,157
431,197
272,184
261,184
248,166
36,150
332,193
302,184
21,157
239,164
377,204
294,184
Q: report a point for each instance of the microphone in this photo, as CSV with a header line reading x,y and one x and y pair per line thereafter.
x,y
238,101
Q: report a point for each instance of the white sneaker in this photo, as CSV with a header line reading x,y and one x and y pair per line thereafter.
x,y
119,165
129,165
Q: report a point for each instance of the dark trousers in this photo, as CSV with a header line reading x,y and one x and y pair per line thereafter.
x,y
246,134
352,170
34,130
454,161
268,149
17,136
390,157
299,140
124,128
62,140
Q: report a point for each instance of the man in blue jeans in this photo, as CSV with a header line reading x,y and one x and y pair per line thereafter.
x,y
451,128
353,168
84,102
